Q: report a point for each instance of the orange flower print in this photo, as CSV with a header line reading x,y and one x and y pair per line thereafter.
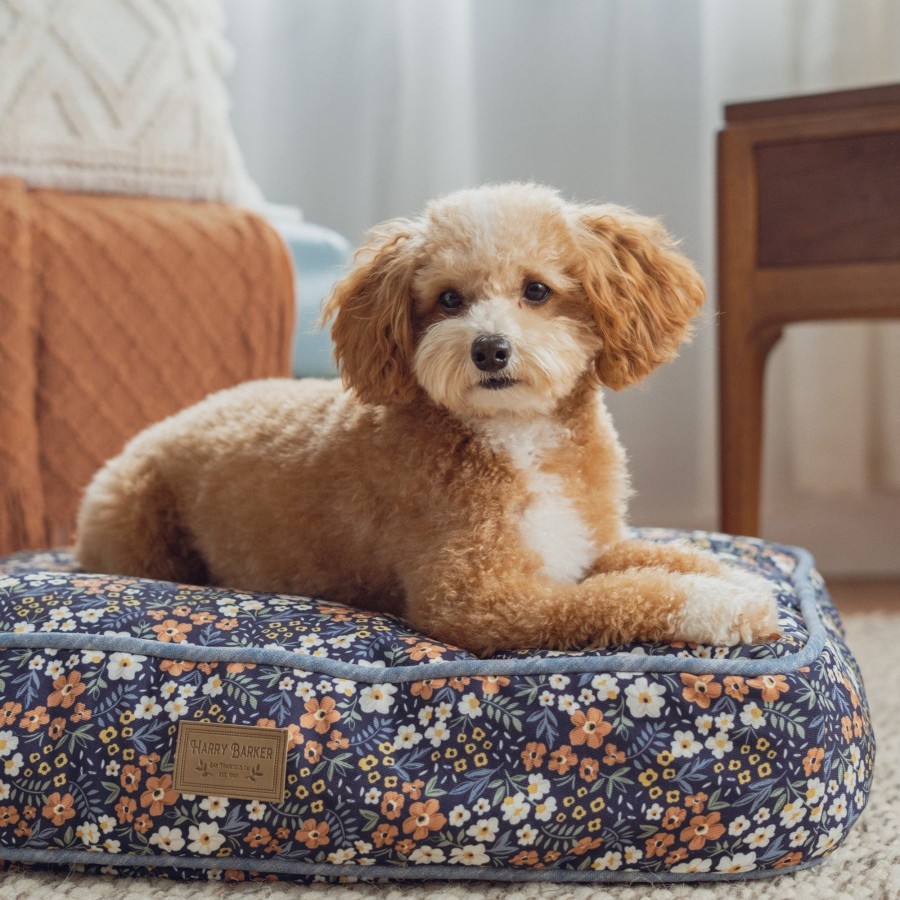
x,y
159,794
59,808
426,687
589,769
9,815
312,752
812,762
658,844
562,759
56,729
125,809
491,684
735,687
413,788
143,823
696,802
424,817
392,805
772,686
590,728
227,624
585,844
847,728
258,836
789,859
320,714
703,829
525,858
34,718
613,755
676,856
700,689
337,741
177,666
81,714
385,835
673,817
171,631
533,755
425,649
405,847
313,834
66,690
459,682
130,778
9,711
149,762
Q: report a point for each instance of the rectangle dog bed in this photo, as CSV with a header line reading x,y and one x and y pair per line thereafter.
x,y
191,732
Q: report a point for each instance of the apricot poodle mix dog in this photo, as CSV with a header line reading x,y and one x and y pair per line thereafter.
x,y
469,479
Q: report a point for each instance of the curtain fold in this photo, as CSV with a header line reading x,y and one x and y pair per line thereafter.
x,y
357,112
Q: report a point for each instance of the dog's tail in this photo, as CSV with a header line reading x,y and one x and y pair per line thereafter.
x,y
129,524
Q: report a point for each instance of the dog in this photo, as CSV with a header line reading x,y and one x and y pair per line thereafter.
x,y
467,476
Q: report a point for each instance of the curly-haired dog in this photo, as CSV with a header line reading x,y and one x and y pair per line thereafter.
x,y
469,479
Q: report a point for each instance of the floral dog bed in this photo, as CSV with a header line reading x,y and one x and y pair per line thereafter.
x,y
405,758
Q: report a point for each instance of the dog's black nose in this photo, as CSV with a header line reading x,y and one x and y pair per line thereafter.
x,y
491,352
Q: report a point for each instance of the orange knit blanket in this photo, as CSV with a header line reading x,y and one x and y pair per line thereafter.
x,y
115,312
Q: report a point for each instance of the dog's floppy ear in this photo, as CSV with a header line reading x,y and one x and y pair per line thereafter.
x,y
371,307
643,292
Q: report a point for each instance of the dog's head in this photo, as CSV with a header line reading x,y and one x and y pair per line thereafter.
x,y
504,297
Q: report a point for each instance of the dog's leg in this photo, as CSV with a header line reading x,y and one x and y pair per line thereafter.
x,y
640,602
675,557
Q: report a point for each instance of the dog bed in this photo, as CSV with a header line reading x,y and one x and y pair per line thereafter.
x,y
369,751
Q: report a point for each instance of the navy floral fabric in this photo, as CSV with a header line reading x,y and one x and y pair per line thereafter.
x,y
412,758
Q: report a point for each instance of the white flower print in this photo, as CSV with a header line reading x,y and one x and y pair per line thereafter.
x,y
484,830
377,698
124,666
216,807
645,699
470,855
205,838
685,745
426,855
720,744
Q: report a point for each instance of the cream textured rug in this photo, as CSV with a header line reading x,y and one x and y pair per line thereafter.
x,y
866,867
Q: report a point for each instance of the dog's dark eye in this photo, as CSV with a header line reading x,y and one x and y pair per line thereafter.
x,y
450,300
536,292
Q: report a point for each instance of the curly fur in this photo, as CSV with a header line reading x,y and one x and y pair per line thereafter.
x,y
487,510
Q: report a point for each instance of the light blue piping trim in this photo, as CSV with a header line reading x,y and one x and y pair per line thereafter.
x,y
619,662
412,873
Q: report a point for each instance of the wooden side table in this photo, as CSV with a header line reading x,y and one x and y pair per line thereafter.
x,y
808,229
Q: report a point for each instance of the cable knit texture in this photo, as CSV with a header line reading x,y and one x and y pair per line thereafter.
x,y
116,312
119,95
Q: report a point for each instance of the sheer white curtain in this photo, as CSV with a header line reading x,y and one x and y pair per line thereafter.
x,y
359,111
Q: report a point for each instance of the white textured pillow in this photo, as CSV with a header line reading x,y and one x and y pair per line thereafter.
x,y
122,96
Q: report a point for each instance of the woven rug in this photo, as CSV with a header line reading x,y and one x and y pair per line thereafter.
x,y
866,867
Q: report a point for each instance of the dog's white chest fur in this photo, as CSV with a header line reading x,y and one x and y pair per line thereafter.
x,y
550,524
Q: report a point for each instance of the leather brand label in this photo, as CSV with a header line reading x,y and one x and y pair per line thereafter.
x,y
244,762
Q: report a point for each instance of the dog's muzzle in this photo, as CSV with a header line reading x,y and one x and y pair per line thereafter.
x,y
491,352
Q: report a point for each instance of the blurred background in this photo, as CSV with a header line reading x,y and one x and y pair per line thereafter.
x,y
138,136
356,112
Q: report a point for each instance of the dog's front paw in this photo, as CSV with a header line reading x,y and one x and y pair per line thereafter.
x,y
732,608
